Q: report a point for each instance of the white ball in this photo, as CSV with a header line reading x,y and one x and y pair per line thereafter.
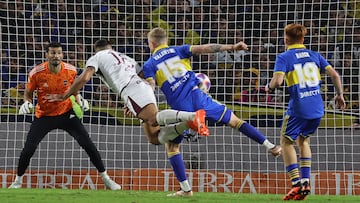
x,y
205,83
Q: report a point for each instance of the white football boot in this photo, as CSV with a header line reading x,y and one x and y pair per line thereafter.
x,y
112,185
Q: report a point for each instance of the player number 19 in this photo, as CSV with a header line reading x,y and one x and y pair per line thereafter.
x,y
307,74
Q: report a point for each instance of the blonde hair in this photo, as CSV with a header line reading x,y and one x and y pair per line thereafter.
x,y
158,35
295,33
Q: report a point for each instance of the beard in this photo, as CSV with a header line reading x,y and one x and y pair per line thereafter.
x,y
55,63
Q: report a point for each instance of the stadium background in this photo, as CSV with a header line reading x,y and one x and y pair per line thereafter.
x,y
225,161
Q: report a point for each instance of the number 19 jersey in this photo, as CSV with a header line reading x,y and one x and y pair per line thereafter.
x,y
302,68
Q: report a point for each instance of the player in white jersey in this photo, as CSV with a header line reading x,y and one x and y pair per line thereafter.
x,y
120,73
115,68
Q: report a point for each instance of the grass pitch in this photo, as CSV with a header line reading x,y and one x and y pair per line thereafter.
x,y
108,196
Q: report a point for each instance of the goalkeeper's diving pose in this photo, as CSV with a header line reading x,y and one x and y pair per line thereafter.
x,y
54,77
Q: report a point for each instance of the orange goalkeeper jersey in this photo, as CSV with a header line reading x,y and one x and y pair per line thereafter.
x,y
45,82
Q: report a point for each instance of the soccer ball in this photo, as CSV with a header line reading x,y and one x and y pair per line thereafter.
x,y
204,82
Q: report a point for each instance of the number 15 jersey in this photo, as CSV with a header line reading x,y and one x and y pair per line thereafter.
x,y
302,68
171,69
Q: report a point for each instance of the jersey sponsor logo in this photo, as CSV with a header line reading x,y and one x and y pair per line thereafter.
x,y
180,82
309,93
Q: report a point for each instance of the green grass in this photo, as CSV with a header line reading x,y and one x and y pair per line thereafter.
x,y
107,196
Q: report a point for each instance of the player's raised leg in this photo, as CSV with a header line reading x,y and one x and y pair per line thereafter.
x,y
194,120
251,132
180,119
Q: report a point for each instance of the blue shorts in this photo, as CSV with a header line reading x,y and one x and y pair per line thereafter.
x,y
197,99
292,127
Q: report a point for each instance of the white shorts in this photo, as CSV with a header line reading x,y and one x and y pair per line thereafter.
x,y
137,94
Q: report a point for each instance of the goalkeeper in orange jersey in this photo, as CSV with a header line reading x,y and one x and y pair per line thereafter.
x,y
301,69
50,77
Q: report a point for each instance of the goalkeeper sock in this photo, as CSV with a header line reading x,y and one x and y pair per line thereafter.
x,y
251,132
169,116
305,167
178,166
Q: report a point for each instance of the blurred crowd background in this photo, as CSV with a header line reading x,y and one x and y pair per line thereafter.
x,y
236,77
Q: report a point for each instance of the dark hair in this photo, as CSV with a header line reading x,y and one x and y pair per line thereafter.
x,y
53,45
101,43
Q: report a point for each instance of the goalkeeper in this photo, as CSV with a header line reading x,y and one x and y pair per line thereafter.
x,y
56,76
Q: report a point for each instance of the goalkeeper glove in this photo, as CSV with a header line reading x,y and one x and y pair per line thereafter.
x,y
83,103
25,107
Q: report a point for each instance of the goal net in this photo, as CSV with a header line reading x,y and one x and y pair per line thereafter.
x,y
226,161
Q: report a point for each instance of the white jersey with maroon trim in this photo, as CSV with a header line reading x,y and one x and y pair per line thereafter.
x,y
114,68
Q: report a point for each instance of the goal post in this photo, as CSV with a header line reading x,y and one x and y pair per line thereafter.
x,y
226,161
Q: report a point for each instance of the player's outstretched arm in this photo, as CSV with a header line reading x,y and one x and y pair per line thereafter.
x,y
212,48
79,82
75,87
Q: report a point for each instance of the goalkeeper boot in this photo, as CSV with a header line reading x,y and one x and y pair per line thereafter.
x,y
295,190
112,185
305,191
15,185
181,193
17,182
276,151
198,124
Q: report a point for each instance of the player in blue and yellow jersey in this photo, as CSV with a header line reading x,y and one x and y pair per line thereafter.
x,y
301,68
169,67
